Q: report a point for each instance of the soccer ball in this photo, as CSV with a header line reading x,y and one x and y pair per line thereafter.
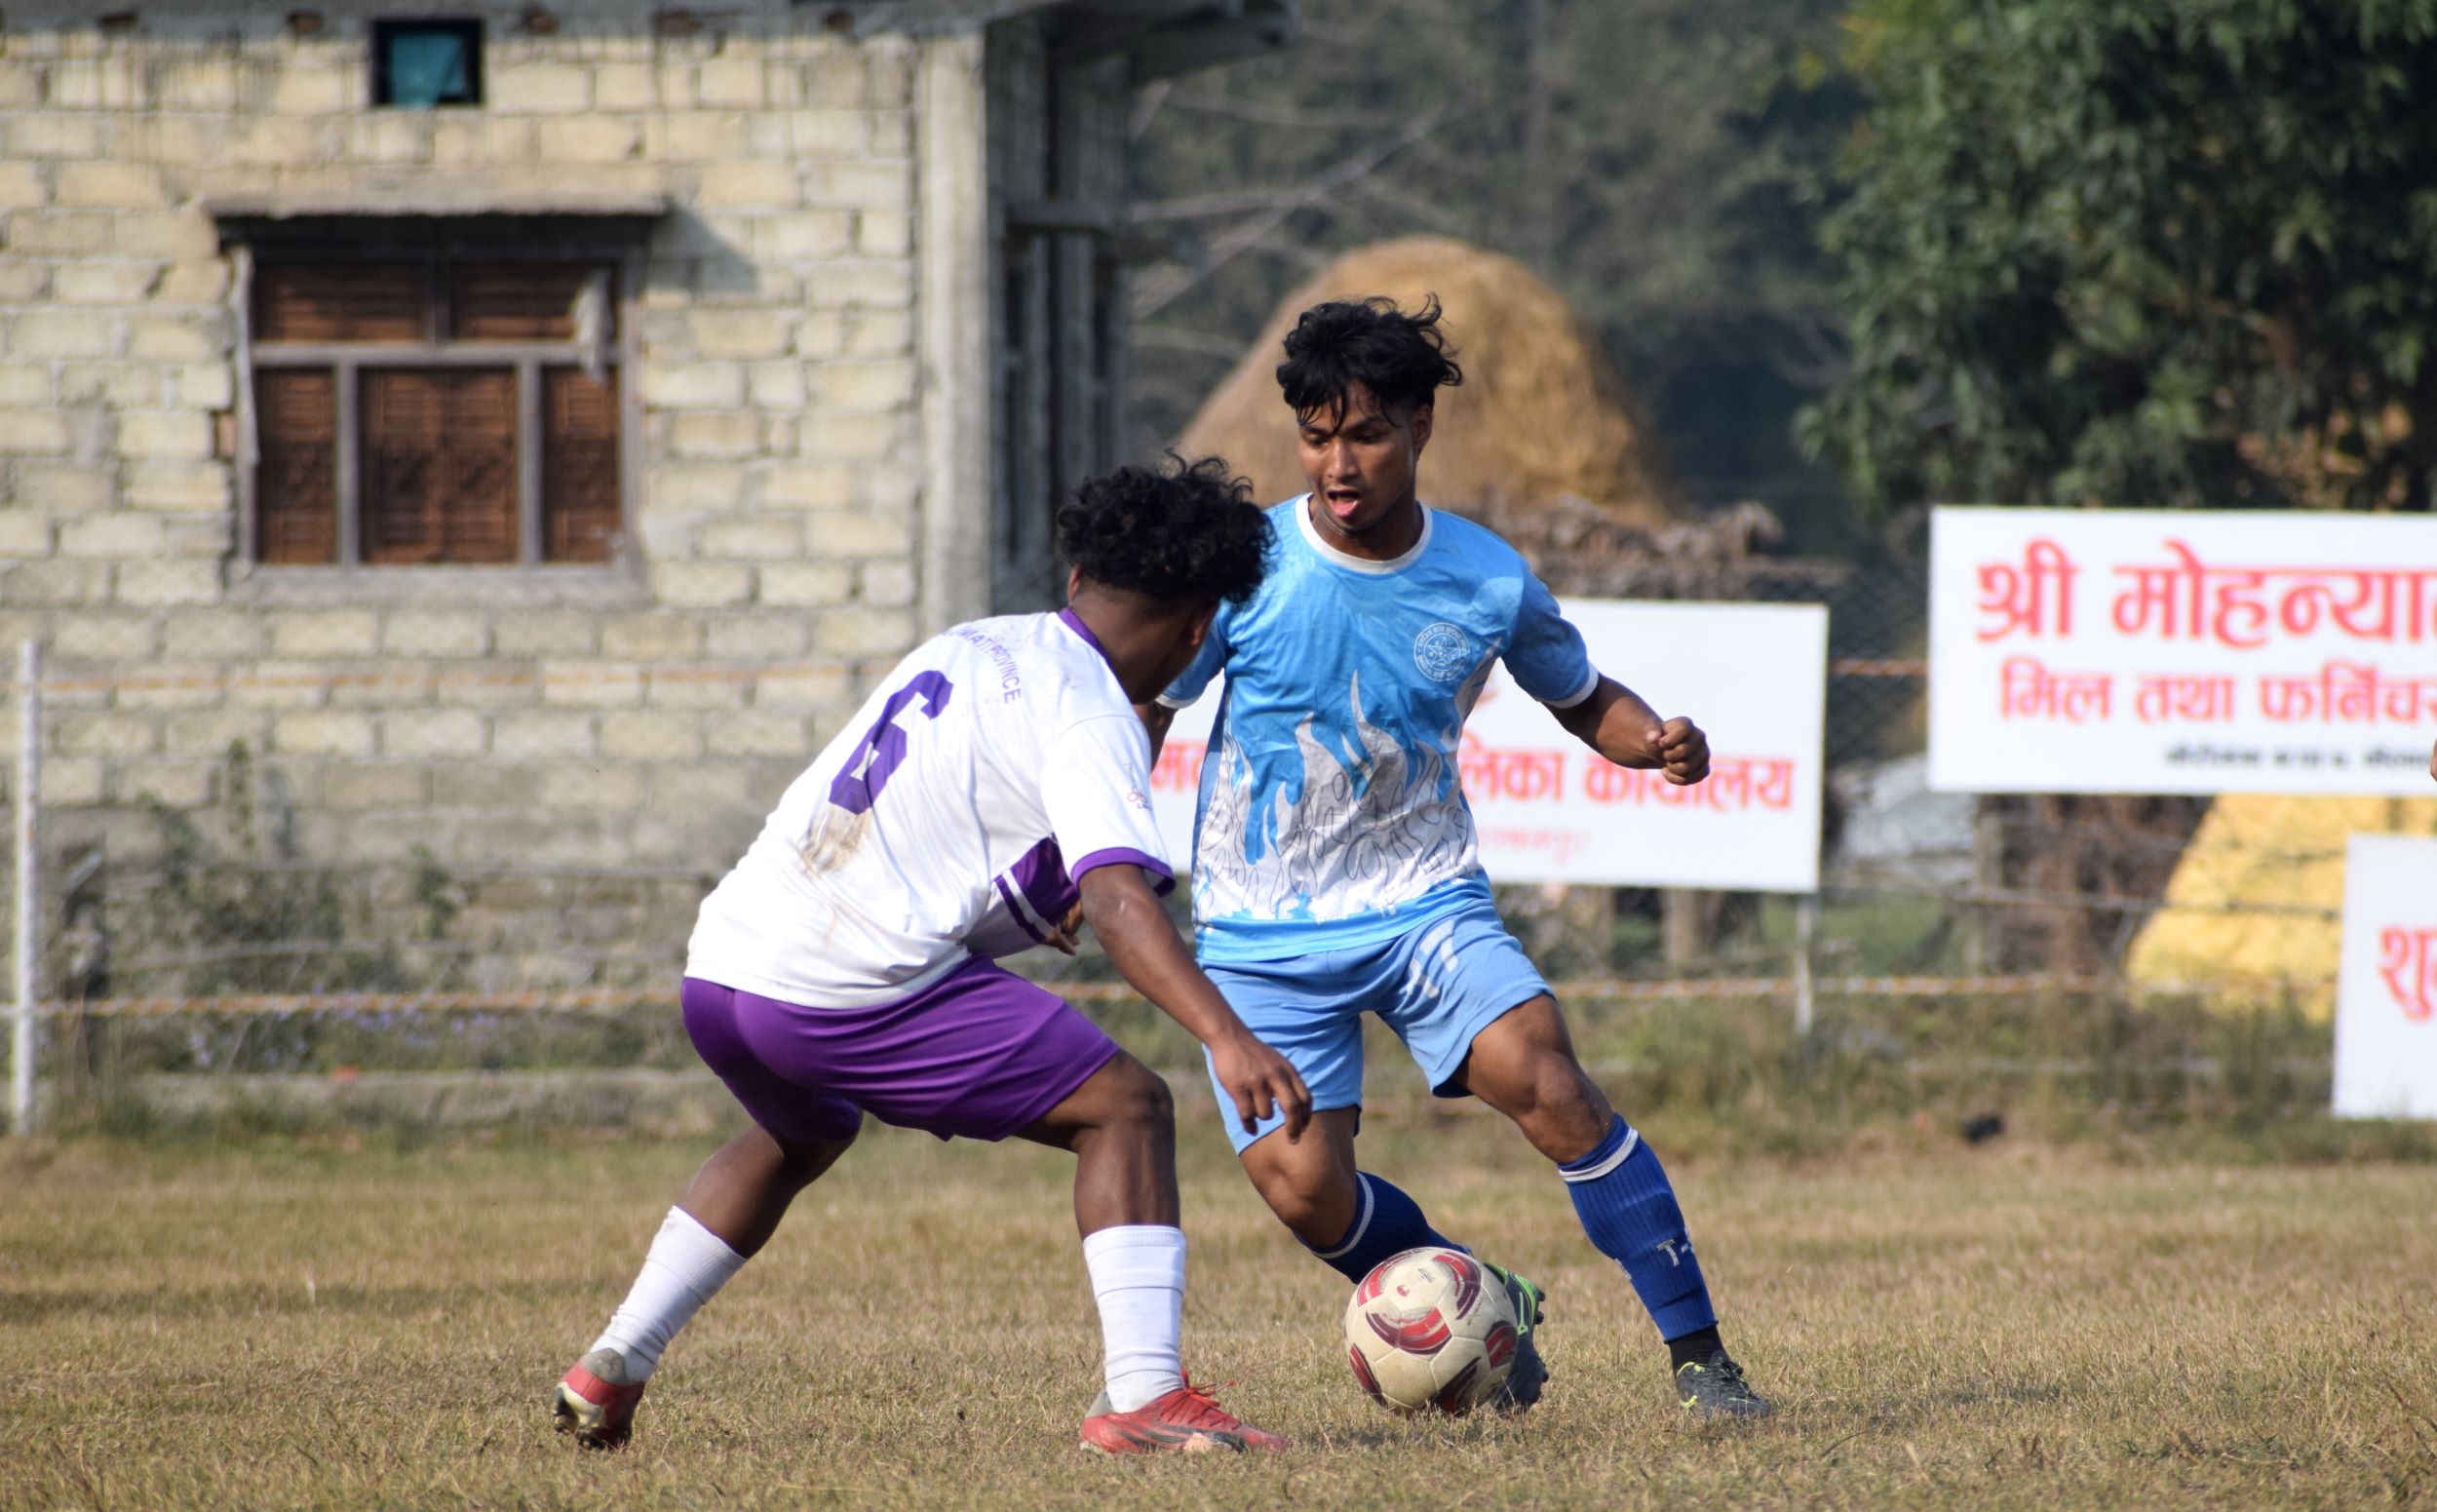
x,y
1430,1329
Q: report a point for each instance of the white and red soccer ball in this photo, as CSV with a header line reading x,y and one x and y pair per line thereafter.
x,y
1430,1329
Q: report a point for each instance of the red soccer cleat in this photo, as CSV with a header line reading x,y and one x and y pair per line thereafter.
x,y
1188,1419
595,1403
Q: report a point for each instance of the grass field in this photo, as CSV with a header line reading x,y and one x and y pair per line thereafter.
x,y
293,1324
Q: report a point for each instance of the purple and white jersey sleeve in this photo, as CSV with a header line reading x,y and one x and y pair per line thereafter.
x,y
1547,655
1030,900
1096,786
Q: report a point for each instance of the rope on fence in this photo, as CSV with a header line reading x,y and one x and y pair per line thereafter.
x,y
614,999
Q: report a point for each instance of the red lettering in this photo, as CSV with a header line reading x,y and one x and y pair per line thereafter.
x,y
2408,963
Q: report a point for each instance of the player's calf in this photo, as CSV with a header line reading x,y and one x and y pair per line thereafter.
x,y
1524,1066
1350,1219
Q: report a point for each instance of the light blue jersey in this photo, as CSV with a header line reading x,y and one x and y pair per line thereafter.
x,y
1331,816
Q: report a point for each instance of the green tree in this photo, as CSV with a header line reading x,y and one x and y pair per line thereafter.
x,y
2125,252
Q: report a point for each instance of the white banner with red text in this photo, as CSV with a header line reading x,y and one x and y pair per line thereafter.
x,y
1549,809
2145,651
2387,991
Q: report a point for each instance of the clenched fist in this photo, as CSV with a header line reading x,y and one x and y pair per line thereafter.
x,y
1683,750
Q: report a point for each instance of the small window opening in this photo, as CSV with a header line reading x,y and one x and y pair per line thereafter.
x,y
421,64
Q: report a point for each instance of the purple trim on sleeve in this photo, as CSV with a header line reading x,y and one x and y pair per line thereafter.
x,y
1017,910
1074,622
1163,881
1040,879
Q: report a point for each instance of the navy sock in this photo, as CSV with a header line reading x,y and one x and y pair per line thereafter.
x,y
1386,1222
1627,1208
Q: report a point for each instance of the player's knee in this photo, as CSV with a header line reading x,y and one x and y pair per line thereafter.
x,y
1305,1201
1137,1097
1304,1211
1565,1113
801,1162
1568,1088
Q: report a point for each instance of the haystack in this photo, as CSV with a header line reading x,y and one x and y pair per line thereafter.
x,y
2251,908
1541,416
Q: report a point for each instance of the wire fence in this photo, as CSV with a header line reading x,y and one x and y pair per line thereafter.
x,y
251,818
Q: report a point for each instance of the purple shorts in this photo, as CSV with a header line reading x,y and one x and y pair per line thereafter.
x,y
979,1054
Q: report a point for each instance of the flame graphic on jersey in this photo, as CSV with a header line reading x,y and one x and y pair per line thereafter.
x,y
1371,829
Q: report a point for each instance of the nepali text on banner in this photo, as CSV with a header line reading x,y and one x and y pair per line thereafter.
x,y
1546,808
2145,651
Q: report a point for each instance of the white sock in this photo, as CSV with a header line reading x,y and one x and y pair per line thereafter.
x,y
1137,1277
688,1266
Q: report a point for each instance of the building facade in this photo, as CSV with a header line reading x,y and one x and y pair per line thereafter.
x,y
525,429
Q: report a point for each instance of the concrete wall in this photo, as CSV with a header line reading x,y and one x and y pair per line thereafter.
x,y
576,717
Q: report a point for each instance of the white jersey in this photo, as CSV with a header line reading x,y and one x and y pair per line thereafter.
x,y
915,829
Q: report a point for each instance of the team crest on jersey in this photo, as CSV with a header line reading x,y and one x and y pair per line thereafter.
x,y
1444,652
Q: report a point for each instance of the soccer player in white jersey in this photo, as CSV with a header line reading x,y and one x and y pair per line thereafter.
x,y
1334,870
833,972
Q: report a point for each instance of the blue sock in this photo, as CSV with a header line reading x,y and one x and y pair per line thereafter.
x,y
1386,1222
1630,1212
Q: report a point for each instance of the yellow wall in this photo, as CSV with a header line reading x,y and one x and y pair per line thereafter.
x,y
2253,911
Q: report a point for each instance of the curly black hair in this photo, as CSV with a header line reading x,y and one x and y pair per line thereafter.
x,y
1184,532
1402,357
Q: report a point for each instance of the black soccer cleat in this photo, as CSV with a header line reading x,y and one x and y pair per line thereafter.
x,y
1715,1390
1523,1385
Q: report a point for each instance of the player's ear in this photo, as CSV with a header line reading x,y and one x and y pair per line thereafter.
x,y
1074,583
1424,414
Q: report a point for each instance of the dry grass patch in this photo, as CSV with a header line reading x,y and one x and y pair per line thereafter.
x,y
303,1326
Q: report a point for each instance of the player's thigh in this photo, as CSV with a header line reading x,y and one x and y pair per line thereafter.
x,y
1308,1011
981,1054
803,1126
1124,1097
1456,976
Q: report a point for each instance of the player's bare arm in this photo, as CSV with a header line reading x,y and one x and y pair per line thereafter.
x,y
1143,941
1616,723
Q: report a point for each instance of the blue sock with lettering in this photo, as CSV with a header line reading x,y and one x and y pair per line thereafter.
x,y
1386,1222
1629,1211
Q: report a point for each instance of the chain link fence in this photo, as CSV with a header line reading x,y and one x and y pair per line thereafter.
x,y
395,839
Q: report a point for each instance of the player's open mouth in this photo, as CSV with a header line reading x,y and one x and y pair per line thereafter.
x,y
1343,502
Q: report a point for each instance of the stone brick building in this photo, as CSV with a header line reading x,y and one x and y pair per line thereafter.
x,y
526,427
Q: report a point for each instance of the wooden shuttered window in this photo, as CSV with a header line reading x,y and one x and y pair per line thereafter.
x,y
579,465
297,480
362,302
440,466
533,301
435,413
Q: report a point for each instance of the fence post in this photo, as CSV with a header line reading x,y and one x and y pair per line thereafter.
x,y
1805,927
29,885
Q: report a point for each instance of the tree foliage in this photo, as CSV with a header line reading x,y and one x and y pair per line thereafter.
x,y
1651,160
2121,253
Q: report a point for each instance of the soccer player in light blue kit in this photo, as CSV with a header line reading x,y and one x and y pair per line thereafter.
x,y
1334,865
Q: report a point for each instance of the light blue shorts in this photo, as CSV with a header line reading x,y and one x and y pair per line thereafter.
x,y
1437,987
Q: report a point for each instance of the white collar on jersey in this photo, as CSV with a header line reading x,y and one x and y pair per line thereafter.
x,y
1346,558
